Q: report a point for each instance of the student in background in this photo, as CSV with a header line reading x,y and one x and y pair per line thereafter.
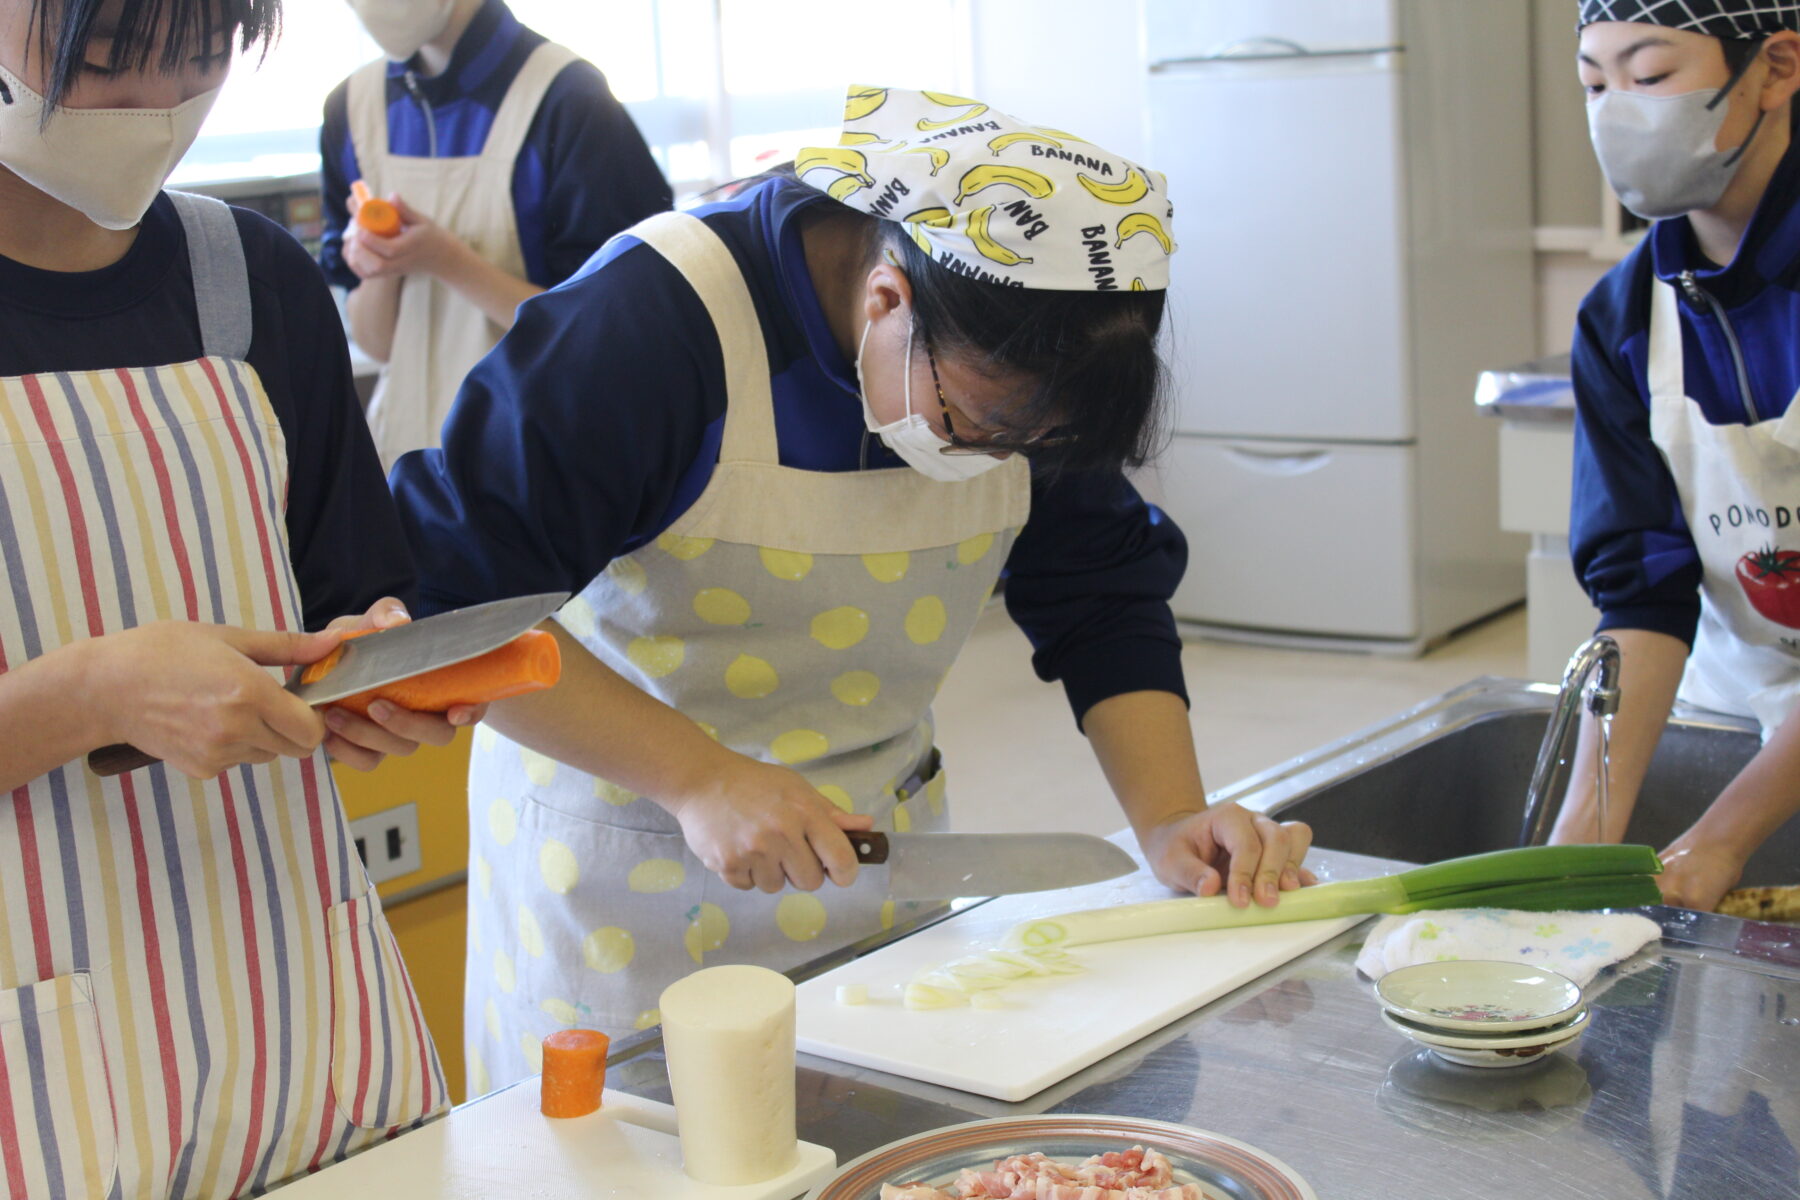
x,y
509,162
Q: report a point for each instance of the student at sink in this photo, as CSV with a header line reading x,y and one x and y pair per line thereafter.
x,y
509,161
1684,526
783,449
199,995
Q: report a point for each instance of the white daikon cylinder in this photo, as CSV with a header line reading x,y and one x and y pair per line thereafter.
x,y
729,1036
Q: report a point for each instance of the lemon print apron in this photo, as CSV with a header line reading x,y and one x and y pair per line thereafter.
x,y
799,617
199,995
439,334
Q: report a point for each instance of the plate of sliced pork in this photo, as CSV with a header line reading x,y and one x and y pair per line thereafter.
x,y
1065,1157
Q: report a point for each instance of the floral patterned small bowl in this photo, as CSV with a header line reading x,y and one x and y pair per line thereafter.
x,y
1475,995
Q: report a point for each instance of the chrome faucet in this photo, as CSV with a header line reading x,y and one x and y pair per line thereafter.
x,y
1598,659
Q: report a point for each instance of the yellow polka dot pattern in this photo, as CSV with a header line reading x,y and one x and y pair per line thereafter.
x,y
750,678
648,1019
973,550
856,688
485,738
503,820
721,606
484,874
612,793
711,731
556,863
490,1016
706,931
657,656
902,818
934,794
799,746
577,616
840,628
540,769
687,549
655,875
789,565
925,620
800,916
837,796
531,934
504,975
479,1084
533,1050
887,914
628,575
887,568
562,1012
608,949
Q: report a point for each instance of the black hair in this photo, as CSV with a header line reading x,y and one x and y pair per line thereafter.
x,y
1739,53
1093,381
60,31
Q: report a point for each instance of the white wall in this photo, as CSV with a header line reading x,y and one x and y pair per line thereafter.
x,y
1070,64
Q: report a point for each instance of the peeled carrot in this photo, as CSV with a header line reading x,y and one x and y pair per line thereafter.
x,y
528,663
376,215
574,1072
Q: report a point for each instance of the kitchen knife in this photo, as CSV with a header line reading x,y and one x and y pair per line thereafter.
x,y
939,866
393,654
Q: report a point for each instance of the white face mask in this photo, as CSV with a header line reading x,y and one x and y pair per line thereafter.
x,y
106,163
400,27
1658,152
911,437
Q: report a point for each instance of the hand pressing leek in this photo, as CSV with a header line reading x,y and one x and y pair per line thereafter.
x,y
1534,878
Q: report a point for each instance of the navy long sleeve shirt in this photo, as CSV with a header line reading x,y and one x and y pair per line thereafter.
x,y
1630,541
582,175
343,538
596,423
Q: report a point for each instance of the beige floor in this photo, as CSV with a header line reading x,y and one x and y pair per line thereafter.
x,y
1017,761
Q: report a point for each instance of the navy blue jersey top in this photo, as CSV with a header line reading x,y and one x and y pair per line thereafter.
x,y
582,175
1629,539
343,538
596,422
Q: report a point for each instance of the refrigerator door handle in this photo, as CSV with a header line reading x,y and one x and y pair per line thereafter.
x,y
1266,49
1267,461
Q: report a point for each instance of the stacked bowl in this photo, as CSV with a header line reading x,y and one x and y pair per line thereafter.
x,y
1477,1013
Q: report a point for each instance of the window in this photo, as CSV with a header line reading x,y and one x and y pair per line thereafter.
x,y
719,88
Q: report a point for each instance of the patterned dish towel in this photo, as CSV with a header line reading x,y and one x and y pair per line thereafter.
x,y
1576,944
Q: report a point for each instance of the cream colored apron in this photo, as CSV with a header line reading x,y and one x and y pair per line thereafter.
x,y
1735,483
199,995
799,617
438,334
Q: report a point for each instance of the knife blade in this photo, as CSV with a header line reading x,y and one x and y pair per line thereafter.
x,y
939,866
391,655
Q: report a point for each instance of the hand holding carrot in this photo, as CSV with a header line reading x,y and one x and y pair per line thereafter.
x,y
363,741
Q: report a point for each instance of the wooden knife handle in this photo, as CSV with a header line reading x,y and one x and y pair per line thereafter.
x,y
870,847
118,759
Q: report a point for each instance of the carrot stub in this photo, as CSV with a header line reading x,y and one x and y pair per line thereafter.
x,y
574,1072
376,215
528,663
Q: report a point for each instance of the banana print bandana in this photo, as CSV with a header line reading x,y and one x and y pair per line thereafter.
x,y
991,197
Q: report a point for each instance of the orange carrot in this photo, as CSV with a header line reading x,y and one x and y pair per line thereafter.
x,y
574,1072
376,215
528,663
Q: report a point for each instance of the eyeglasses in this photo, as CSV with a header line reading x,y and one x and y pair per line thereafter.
x,y
986,445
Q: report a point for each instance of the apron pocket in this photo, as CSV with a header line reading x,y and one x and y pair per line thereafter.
x,y
57,1131
384,1069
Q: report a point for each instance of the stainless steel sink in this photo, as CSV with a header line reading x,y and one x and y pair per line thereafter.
x,y
1449,778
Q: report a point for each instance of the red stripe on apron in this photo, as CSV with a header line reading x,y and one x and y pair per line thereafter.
x,y
259,1060
363,1064
251,486
165,1031
34,882
309,782
165,490
78,531
412,1004
9,1133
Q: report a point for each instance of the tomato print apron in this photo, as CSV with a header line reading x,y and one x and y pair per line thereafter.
x,y
199,995
799,617
1732,479
438,333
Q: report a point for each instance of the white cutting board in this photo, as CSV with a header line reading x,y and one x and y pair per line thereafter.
x,y
1050,1028
501,1145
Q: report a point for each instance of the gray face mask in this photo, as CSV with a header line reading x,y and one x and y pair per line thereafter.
x,y
1657,151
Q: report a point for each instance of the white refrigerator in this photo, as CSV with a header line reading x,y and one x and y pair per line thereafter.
x,y
1352,189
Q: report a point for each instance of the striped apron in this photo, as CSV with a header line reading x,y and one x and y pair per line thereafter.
x,y
199,995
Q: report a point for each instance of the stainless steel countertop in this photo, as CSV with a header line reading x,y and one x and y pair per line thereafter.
x,y
1687,1084
1543,390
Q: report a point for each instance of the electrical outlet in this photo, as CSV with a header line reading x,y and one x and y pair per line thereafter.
x,y
388,842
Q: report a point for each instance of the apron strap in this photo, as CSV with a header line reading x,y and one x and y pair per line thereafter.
x,y
1664,369
523,97
221,281
708,265
365,104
